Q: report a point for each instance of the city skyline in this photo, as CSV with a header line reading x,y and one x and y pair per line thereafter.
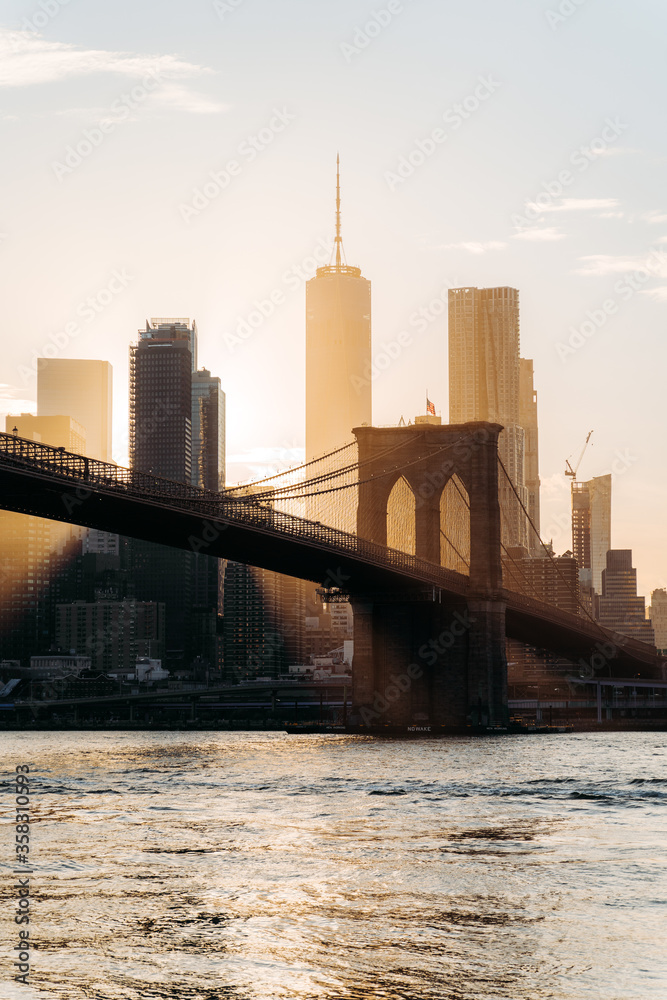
x,y
333,592
450,221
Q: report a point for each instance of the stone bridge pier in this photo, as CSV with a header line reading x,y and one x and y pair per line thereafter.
x,y
427,657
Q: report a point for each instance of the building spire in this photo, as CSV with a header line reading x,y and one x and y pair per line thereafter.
x,y
337,263
339,238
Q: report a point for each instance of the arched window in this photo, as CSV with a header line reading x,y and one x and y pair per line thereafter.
x,y
455,526
401,518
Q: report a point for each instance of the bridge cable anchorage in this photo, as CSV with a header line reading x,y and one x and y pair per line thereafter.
x,y
605,633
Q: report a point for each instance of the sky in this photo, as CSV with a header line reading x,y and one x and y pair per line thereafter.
x,y
177,158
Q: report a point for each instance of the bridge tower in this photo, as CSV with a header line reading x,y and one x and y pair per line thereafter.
x,y
422,659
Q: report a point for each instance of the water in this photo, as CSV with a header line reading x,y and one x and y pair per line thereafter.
x,y
262,865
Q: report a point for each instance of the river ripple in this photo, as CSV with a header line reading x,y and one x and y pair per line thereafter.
x,y
255,866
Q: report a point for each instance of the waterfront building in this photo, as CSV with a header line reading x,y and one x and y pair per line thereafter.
x,y
658,615
264,618
618,607
36,553
112,633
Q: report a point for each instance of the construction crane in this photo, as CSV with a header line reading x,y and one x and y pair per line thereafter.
x,y
572,472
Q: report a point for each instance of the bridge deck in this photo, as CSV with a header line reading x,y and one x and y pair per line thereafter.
x,y
48,482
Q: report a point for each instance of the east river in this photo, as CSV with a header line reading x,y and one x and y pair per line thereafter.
x,y
254,866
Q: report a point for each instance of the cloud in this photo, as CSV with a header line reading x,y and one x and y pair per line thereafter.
x,y
545,235
576,205
178,98
8,391
170,96
473,247
12,403
555,485
598,265
27,59
654,216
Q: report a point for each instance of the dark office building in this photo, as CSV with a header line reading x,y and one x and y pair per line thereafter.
x,y
263,622
168,397
161,366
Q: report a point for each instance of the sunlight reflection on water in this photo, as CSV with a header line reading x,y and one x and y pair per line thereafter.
x,y
259,865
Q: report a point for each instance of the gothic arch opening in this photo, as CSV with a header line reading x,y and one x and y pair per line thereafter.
x,y
455,526
401,512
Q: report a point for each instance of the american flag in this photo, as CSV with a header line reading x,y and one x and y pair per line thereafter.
x,y
430,408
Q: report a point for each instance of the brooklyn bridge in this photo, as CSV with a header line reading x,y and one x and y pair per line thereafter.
x,y
419,527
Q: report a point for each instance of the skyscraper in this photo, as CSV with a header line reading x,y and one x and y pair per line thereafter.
x,y
80,389
265,613
528,420
161,366
591,531
338,350
168,395
484,384
484,355
208,471
208,431
618,607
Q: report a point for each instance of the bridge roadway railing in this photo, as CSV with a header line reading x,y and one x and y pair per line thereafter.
x,y
90,473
